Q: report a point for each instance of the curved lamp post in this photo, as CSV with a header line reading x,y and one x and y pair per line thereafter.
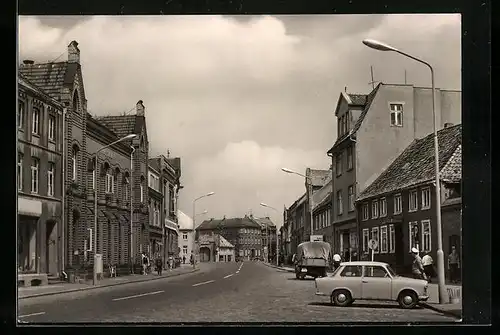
x,y
96,191
277,253
194,223
309,190
440,254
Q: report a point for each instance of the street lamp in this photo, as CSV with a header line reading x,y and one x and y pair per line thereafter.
x,y
204,212
440,254
96,190
310,191
277,250
194,223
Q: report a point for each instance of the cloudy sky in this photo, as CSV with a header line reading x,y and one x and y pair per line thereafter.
x,y
239,97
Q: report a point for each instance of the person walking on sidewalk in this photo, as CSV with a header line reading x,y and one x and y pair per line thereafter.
x,y
453,264
428,264
417,268
159,265
183,259
145,262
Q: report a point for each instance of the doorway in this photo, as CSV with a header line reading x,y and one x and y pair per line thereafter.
x,y
399,247
50,248
204,254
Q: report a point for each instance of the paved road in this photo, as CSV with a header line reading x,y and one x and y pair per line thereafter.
x,y
220,292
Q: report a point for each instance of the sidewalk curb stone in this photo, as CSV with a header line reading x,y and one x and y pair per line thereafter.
x,y
452,313
106,285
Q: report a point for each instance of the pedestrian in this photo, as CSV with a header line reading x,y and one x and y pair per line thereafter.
x,y
171,262
159,265
183,259
144,264
453,264
428,264
191,259
336,261
417,268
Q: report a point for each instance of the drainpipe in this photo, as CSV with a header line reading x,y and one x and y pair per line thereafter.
x,y
131,209
63,197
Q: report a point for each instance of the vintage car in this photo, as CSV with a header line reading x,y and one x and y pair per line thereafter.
x,y
371,281
312,259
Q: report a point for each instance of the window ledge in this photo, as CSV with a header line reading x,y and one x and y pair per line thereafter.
x,y
35,135
397,213
412,210
350,169
383,216
426,208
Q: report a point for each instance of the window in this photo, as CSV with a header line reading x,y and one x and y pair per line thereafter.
x,y
383,207
376,238
398,206
109,182
338,164
383,239
35,166
52,127
349,158
184,236
50,179
366,237
426,235
171,195
73,163
115,182
426,198
413,235
365,212
375,272
20,171
20,115
396,115
141,189
154,182
185,249
413,203
35,126
126,186
351,271
392,239
374,209
350,191
340,207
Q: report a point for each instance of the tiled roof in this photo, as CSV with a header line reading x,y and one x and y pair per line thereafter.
x,y
223,243
22,80
321,196
357,125
153,162
121,125
319,177
452,172
50,77
416,164
265,222
228,223
358,99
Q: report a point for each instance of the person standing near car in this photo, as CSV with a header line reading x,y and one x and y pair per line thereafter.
x,y
428,264
453,264
336,261
417,268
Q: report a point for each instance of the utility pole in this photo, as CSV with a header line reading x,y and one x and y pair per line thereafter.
x,y
373,80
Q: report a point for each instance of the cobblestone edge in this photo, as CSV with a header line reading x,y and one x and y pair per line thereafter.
x,y
101,286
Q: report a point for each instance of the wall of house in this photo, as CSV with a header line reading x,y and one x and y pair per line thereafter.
x,y
185,239
341,183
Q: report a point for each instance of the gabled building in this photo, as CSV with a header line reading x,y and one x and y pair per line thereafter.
x,y
322,211
155,206
374,129
268,233
186,236
398,208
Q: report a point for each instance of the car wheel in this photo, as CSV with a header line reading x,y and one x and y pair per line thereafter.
x,y
341,298
407,299
302,276
297,276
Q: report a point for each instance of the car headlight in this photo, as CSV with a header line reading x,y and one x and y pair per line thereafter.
x,y
425,289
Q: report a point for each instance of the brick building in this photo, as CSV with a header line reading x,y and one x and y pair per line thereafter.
x,y
268,236
373,129
322,211
398,208
39,179
155,205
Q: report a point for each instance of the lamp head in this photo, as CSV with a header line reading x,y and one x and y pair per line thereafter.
x,y
378,45
287,170
129,137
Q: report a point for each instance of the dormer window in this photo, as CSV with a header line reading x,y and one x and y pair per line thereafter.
x,y
396,110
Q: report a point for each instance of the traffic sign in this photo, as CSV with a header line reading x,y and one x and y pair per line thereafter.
x,y
372,244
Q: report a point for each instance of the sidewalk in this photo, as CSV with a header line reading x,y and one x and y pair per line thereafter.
x,y
37,291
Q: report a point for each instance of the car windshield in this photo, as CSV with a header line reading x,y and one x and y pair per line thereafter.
x,y
335,271
391,271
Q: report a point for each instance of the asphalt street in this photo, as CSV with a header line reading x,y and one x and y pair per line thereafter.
x,y
219,292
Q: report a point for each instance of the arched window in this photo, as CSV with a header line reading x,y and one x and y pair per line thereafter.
x,y
35,174
109,179
126,187
141,188
115,180
74,160
76,102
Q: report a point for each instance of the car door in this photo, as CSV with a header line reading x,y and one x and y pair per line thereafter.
x,y
376,283
350,277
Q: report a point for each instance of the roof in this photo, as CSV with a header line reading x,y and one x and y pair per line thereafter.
x,y
223,243
319,177
415,165
360,263
358,99
121,125
213,224
366,106
264,222
23,81
50,77
184,221
452,171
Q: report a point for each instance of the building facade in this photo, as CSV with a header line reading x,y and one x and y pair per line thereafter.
x,y
39,180
322,212
268,235
372,131
398,208
186,236
156,226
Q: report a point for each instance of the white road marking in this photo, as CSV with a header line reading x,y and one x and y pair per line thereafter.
x,y
205,282
138,295
232,274
33,314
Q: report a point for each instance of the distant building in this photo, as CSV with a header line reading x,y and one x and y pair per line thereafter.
x,y
185,239
156,226
322,211
268,234
398,208
39,180
374,129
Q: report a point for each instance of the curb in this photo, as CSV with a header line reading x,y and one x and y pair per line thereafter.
x,y
101,286
452,313
277,267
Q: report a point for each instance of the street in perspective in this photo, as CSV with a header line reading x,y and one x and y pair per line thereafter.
x,y
239,169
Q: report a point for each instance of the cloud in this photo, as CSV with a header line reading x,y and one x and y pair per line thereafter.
x,y
226,93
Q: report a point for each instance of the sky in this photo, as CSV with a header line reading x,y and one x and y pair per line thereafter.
x,y
240,97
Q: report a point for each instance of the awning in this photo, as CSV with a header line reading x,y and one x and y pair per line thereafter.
x,y
171,225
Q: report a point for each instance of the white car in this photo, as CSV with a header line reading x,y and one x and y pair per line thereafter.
x,y
371,281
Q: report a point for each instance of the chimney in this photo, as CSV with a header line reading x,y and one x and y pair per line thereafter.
x,y
73,52
448,124
139,107
28,62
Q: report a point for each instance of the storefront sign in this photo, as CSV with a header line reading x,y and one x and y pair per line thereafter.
x,y
29,207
